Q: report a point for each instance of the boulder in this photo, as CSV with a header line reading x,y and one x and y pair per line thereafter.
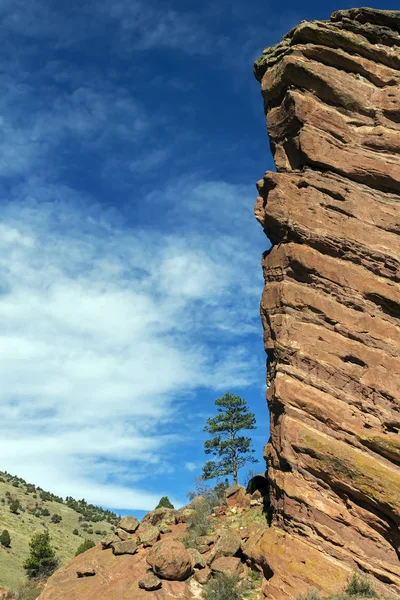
x,y
228,544
129,524
149,536
234,494
124,547
207,540
166,515
227,564
184,515
169,559
150,582
122,534
198,561
86,571
203,575
109,540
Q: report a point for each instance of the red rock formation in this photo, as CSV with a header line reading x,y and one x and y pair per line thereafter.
x,y
331,302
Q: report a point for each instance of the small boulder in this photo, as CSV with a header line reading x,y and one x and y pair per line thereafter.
x,y
203,576
86,571
169,559
227,564
185,515
198,561
206,540
149,536
154,517
122,534
124,547
109,540
150,582
129,524
234,494
228,545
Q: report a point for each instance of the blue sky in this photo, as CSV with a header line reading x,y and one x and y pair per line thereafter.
x,y
131,136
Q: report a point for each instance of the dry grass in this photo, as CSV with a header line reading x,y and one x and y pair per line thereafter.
x,y
23,525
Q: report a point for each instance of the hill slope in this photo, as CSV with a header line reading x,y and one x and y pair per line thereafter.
x,y
35,514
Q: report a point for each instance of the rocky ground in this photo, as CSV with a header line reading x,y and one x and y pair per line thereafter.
x,y
151,559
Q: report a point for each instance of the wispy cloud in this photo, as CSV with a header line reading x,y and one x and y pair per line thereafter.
x,y
120,302
103,330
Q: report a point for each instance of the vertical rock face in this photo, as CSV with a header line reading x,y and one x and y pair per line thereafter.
x,y
331,302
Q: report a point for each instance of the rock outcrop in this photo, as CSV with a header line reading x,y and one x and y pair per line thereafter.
x,y
144,568
331,303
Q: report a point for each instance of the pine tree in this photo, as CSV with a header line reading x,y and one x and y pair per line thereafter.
x,y
165,503
5,539
42,561
233,450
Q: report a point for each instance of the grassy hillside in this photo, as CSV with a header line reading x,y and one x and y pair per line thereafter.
x,y
35,514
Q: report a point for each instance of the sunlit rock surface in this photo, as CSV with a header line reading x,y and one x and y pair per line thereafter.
x,y
331,302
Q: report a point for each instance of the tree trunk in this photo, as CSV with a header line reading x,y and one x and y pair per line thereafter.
x,y
234,469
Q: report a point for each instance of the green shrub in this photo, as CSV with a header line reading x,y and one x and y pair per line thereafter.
x,y
360,585
41,561
222,587
200,520
56,518
86,545
45,512
191,541
165,503
75,532
14,506
5,539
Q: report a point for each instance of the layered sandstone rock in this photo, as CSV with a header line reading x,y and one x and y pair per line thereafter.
x,y
331,303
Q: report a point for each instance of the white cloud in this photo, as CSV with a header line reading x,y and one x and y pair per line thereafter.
x,y
107,328
191,466
102,329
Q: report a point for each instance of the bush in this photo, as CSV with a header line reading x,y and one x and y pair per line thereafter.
x,y
199,521
42,561
14,506
56,518
165,503
5,539
360,585
45,512
222,587
75,532
86,545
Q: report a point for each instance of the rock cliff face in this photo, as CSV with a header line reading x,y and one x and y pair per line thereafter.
x,y
331,302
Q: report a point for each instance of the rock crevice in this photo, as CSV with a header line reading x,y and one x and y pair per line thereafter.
x,y
331,302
